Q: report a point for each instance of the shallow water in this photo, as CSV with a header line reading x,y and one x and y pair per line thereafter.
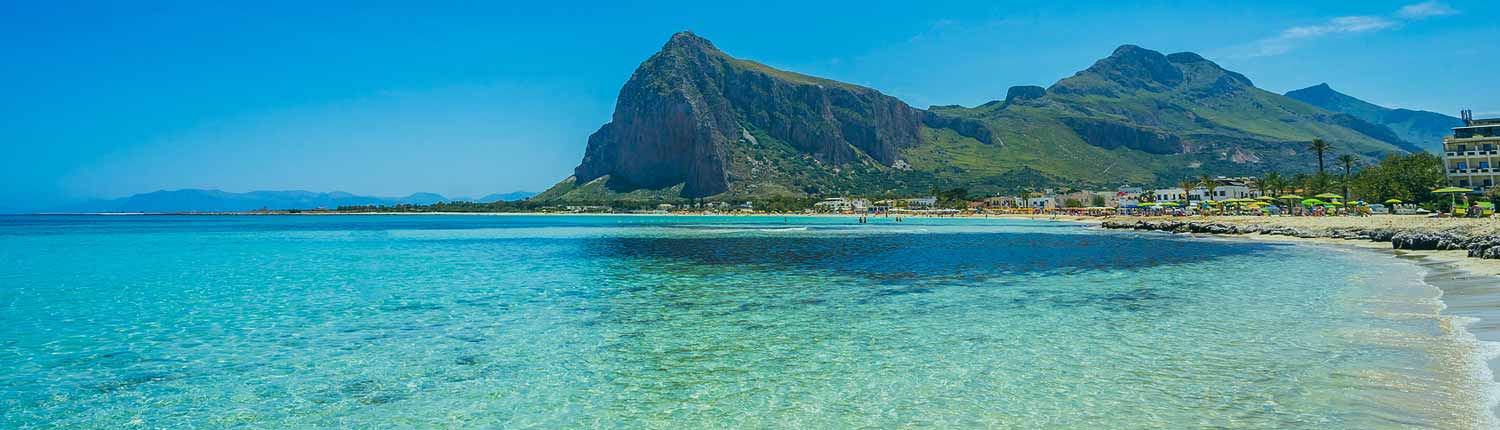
x,y
681,322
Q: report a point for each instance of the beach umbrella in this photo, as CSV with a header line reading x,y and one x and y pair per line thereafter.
x,y
1266,198
1392,201
1290,197
1453,193
1486,205
1168,204
1329,196
1334,204
1311,202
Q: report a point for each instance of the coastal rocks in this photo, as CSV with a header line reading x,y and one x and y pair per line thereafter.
x,y
1487,246
1422,240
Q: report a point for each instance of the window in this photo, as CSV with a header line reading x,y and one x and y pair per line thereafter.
x,y
1488,182
1484,164
1463,166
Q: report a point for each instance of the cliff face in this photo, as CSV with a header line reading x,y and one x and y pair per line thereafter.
x,y
678,113
694,122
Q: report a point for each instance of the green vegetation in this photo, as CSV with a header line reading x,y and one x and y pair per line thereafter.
x,y
1410,178
1135,117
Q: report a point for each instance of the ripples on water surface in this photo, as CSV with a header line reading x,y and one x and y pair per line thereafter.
x,y
677,322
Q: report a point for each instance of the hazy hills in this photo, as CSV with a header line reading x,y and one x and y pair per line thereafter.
x,y
693,121
198,200
1426,129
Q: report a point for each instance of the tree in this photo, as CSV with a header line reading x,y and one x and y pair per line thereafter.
x,y
1096,201
1410,178
1318,146
1187,184
1347,162
1209,184
1272,184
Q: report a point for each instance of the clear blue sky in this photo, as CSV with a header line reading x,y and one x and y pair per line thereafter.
x,y
464,99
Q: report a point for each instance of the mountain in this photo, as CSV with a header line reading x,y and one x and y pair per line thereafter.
x,y
1423,128
505,197
693,121
196,200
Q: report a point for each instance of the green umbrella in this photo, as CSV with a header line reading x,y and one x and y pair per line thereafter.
x,y
1147,204
1392,201
1488,205
1168,204
1329,196
1452,192
1334,204
1311,202
1290,197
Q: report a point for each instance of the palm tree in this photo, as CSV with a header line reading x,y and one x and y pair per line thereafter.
x,y
1318,146
1347,161
1187,186
1210,185
1272,184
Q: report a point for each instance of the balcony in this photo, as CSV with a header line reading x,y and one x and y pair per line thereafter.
x,y
1473,171
1472,153
1451,139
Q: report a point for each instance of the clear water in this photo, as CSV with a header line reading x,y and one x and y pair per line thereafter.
x,y
676,322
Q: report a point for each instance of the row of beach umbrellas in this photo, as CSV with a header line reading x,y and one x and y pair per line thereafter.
x,y
1314,201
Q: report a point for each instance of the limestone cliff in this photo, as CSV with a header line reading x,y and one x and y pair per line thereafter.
x,y
683,107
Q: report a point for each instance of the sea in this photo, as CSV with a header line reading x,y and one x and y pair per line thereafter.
x,y
681,322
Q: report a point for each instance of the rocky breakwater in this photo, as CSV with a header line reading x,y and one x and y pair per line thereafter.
x,y
1486,245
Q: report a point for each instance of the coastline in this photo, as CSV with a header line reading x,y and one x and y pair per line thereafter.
x,y
1468,287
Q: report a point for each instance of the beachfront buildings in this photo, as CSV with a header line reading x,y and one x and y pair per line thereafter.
x,y
1226,189
1471,152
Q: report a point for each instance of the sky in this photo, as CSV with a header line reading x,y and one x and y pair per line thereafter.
x,y
108,99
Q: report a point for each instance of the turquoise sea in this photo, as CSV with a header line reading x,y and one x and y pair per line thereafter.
x,y
377,322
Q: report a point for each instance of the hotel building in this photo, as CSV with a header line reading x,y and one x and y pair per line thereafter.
x,y
1471,153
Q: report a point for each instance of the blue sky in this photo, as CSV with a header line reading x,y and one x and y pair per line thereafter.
x,y
465,99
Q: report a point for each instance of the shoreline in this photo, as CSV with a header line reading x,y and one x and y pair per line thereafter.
x,y
1468,287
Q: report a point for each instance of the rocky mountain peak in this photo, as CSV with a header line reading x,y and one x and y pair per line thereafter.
x,y
686,40
1130,68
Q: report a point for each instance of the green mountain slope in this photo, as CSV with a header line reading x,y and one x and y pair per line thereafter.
x,y
694,122
1422,128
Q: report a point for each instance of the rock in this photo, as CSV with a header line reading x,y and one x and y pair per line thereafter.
x,y
1110,134
677,114
1022,93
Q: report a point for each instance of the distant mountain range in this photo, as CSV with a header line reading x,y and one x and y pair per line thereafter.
x,y
196,200
695,122
1426,129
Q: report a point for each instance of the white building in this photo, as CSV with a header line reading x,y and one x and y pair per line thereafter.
x,y
1041,203
1471,153
834,206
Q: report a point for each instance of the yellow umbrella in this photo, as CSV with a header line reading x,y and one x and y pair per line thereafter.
x,y
1329,196
1452,192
